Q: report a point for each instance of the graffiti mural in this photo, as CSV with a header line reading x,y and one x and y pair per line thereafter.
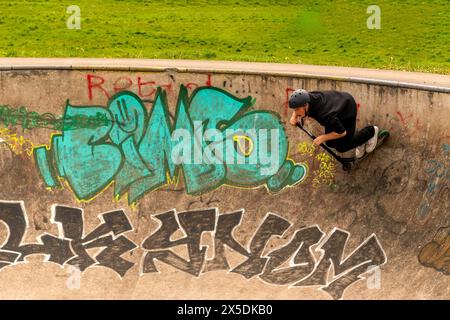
x,y
326,172
144,88
70,246
436,254
16,143
331,271
132,144
28,120
437,190
141,151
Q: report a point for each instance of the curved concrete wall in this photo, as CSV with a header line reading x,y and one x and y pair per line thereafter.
x,y
386,220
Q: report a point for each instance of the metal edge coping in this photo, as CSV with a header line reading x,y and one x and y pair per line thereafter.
x,y
391,83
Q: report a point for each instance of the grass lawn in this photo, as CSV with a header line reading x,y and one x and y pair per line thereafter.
x,y
414,35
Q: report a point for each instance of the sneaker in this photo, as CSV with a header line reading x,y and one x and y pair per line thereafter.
x,y
372,143
360,151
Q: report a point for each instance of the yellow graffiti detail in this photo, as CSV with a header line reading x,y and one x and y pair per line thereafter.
x,y
239,139
17,144
306,147
326,172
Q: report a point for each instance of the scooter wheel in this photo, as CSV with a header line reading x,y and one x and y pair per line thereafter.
x,y
384,134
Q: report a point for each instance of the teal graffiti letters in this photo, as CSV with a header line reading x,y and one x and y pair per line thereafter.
x,y
214,140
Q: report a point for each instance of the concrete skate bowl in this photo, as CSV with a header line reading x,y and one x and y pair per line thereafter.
x,y
94,206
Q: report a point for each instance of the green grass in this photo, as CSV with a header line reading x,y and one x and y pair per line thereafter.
x,y
414,35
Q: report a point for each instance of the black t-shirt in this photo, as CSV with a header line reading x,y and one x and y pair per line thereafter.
x,y
331,108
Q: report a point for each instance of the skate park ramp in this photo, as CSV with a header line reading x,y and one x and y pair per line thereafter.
x,y
92,205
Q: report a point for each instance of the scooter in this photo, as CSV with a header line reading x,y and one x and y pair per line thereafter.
x,y
347,163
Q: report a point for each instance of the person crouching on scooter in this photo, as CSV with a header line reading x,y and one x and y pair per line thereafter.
x,y
336,111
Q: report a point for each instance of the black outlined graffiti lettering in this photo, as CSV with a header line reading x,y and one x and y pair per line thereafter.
x,y
308,258
303,268
226,223
348,270
301,265
114,224
272,225
194,223
13,251
70,246
11,214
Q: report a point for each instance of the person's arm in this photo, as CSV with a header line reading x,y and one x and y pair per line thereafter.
x,y
336,128
293,121
329,136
